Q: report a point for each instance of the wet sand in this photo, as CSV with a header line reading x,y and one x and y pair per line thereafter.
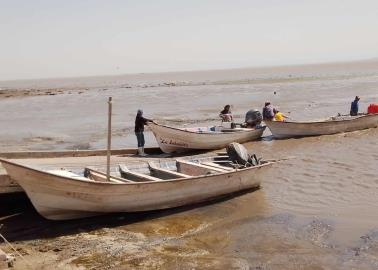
x,y
315,211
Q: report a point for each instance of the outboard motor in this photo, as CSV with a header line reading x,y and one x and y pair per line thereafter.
x,y
253,118
238,154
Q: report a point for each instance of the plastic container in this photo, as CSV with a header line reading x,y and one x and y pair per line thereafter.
x,y
373,108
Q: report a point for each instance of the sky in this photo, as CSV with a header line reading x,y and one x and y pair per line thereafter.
x,y
54,38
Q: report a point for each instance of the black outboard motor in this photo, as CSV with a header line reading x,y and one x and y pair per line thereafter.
x,y
253,118
238,154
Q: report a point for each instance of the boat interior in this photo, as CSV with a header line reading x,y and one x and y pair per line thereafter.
x,y
155,171
224,127
342,117
339,117
173,169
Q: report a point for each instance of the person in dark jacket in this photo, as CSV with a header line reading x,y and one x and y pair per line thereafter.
x,y
354,106
140,121
268,112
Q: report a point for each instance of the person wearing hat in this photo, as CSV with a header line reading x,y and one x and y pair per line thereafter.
x,y
354,106
140,121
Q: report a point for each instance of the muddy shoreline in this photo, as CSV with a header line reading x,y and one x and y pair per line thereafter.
x,y
278,226
316,211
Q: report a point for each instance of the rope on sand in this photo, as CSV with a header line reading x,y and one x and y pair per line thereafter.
x,y
15,250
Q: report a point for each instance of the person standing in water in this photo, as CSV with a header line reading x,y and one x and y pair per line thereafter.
x,y
140,121
226,114
354,106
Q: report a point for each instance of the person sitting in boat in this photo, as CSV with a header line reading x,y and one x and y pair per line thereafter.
x,y
226,115
354,106
140,121
268,113
279,116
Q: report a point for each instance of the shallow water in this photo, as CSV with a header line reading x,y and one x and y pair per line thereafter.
x,y
79,121
316,210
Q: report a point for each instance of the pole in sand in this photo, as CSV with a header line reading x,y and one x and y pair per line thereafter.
x,y
109,138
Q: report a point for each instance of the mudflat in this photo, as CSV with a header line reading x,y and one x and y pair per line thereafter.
x,y
316,211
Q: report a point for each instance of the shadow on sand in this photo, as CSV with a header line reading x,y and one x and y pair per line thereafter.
x,y
19,220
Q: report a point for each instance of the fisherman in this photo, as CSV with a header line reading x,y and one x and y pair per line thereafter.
x,y
354,106
268,113
279,116
140,121
226,114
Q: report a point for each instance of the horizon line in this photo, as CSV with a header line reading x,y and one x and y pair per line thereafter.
x,y
371,59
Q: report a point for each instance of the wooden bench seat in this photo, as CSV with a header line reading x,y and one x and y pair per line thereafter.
x,y
196,169
135,176
102,177
166,174
212,164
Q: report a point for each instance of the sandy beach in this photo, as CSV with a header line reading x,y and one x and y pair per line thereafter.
x,y
315,211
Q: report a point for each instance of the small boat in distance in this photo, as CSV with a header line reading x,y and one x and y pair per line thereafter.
x,y
333,125
178,140
61,194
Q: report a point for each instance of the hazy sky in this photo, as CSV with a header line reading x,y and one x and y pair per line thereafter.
x,y
59,38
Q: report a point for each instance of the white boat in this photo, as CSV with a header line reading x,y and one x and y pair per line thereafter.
x,y
7,185
171,139
61,194
337,124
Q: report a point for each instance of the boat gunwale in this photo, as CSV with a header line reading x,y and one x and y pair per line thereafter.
x,y
209,133
135,183
321,122
39,154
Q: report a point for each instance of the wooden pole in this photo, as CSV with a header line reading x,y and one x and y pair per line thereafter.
x,y
109,138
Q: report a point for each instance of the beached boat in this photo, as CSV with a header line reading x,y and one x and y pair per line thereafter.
x,y
75,153
61,194
337,124
171,139
8,185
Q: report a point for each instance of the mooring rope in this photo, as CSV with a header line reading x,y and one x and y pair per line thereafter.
x,y
15,250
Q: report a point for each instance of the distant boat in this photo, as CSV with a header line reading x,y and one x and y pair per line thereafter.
x,y
61,194
337,124
171,139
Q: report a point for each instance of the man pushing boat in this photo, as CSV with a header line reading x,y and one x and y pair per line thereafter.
x,y
140,121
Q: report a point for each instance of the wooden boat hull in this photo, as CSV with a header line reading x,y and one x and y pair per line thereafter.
x,y
75,153
177,140
301,129
7,185
58,198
